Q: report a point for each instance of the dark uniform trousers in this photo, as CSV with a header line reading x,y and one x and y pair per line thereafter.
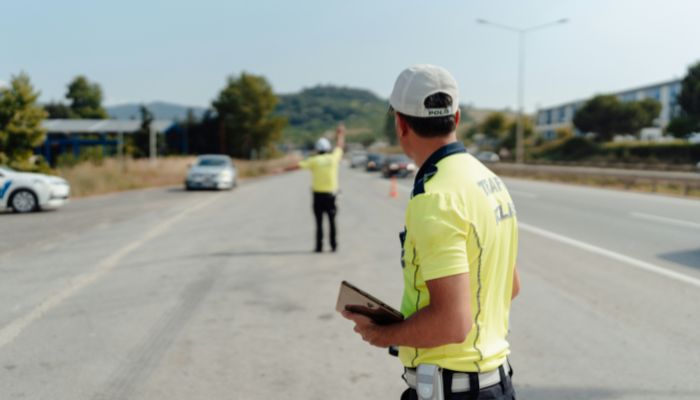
x,y
500,391
324,203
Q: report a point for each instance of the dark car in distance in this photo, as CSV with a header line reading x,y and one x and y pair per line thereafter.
x,y
374,162
398,165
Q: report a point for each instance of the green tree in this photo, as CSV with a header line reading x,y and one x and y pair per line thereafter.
x,y
564,132
85,99
489,133
146,118
58,110
606,116
650,110
20,122
190,124
636,115
494,126
599,115
141,138
246,121
689,100
528,131
682,125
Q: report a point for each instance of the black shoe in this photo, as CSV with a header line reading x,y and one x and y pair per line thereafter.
x,y
334,248
318,250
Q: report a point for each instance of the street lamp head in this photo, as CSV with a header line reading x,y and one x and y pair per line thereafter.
x,y
482,21
563,21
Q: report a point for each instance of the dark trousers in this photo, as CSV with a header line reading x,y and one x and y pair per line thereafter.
x,y
500,391
324,203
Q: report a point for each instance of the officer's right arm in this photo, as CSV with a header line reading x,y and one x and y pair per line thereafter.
x,y
440,238
305,164
447,319
340,137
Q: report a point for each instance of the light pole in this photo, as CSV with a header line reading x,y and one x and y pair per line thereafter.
x,y
519,148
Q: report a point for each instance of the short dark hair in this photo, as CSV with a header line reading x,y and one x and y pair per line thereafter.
x,y
433,126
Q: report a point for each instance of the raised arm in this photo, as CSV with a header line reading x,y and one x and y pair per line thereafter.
x,y
340,136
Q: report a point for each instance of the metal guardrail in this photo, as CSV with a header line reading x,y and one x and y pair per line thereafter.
x,y
687,180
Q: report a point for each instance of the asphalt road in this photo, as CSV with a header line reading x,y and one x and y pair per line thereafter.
x,y
166,294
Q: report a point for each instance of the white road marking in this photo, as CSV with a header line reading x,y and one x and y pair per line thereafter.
x,y
666,220
611,254
15,328
522,194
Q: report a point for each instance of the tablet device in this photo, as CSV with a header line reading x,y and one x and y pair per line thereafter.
x,y
355,300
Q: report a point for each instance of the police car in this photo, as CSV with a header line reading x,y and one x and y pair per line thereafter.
x,y
26,192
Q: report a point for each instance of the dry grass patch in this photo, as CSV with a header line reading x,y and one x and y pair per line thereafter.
x,y
111,175
606,182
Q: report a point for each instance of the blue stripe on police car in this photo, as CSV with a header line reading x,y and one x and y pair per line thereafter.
x,y
4,188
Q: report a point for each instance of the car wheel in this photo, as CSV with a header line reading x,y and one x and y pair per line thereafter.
x,y
24,201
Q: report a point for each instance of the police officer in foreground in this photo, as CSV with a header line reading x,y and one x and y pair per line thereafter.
x,y
324,183
458,257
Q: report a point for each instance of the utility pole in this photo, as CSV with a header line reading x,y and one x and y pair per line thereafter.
x,y
519,135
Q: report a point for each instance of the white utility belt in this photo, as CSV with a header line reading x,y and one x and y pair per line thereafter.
x,y
460,380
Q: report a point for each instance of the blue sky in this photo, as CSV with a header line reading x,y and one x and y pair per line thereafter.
x,y
182,51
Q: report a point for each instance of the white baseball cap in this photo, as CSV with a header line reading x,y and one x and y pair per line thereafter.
x,y
323,144
416,83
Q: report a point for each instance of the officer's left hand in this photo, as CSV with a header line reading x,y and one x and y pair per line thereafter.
x,y
370,332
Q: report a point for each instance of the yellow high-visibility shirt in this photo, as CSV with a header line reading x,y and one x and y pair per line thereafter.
x,y
324,170
461,219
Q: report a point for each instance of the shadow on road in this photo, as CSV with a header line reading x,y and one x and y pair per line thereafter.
x,y
689,258
198,190
588,393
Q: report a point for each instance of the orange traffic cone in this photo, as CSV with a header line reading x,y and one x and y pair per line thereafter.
x,y
394,192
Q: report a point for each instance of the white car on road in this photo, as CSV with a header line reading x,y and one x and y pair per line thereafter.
x,y
26,192
211,171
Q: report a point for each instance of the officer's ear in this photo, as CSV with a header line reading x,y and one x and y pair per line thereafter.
x,y
400,125
457,115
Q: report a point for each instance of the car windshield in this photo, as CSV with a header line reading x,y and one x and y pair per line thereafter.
x,y
374,157
6,169
399,159
212,162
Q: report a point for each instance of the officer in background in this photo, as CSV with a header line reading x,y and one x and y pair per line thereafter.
x,y
459,249
324,183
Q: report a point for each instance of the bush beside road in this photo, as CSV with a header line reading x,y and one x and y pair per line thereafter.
x,y
677,154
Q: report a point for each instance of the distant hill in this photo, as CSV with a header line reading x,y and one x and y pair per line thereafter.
x,y
160,110
311,113
316,110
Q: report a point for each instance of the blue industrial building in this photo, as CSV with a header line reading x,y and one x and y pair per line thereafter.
x,y
71,135
549,120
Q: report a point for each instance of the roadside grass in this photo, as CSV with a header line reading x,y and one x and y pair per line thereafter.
x,y
607,182
112,175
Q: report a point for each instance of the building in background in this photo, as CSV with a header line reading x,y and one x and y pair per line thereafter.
x,y
72,135
549,120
